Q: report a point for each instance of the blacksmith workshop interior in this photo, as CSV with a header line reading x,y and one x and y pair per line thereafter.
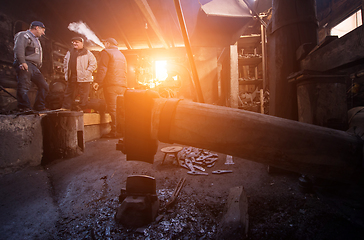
x,y
242,119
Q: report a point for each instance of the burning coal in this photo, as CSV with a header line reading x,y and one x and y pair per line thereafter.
x,y
82,28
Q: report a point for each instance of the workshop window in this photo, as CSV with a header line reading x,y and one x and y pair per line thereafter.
x,y
347,25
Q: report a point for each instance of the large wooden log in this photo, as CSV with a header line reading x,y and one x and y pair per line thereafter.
x,y
287,144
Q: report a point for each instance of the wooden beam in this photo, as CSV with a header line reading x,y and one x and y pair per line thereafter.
x,y
140,16
148,14
234,76
341,51
264,54
187,43
120,30
279,142
95,119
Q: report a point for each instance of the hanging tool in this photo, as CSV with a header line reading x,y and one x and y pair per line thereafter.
x,y
175,193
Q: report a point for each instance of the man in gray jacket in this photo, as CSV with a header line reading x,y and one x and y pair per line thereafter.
x,y
27,61
111,75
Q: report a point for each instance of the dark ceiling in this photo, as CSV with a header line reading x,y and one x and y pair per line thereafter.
x,y
135,24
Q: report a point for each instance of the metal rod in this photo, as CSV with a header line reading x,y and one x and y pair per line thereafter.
x,y
186,40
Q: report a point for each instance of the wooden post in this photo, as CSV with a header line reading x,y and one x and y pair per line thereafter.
x,y
283,143
186,41
234,76
293,23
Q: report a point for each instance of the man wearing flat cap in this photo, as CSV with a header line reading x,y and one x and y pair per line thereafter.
x,y
79,64
27,61
111,75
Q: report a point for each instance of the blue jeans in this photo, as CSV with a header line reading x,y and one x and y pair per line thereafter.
x,y
24,83
110,94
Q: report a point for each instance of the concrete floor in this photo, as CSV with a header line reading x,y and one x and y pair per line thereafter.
x,y
76,199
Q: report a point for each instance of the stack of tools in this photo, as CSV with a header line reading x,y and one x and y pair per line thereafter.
x,y
195,159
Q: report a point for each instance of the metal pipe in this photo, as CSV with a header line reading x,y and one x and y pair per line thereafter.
x,y
186,40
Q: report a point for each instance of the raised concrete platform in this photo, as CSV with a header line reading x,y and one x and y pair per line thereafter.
x,y
23,138
21,142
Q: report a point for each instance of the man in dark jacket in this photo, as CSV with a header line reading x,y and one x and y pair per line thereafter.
x,y
27,61
111,75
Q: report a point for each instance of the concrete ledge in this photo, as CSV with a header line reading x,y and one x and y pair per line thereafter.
x,y
21,137
21,142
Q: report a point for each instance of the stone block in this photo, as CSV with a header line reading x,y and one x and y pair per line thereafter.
x,y
235,222
21,142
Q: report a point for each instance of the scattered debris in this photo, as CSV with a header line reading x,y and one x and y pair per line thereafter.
x,y
194,159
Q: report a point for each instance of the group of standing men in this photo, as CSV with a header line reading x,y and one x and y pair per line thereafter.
x,y
79,64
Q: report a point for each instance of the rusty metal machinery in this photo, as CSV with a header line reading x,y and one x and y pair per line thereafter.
x,y
278,142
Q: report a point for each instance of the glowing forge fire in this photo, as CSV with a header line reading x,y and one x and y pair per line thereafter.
x,y
161,74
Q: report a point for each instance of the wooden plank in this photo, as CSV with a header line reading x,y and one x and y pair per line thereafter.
x,y
252,40
341,51
95,118
250,60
